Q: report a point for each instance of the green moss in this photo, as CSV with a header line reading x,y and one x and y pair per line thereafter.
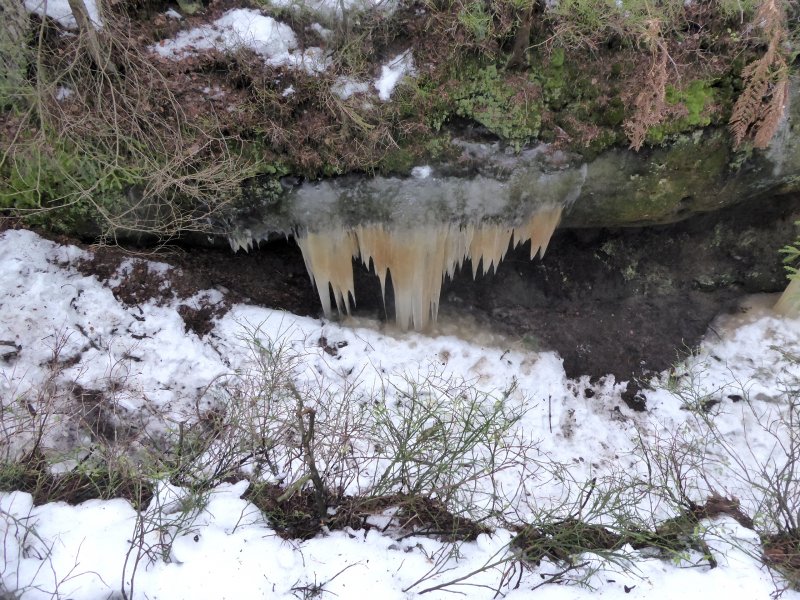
x,y
397,161
400,160
683,178
614,113
557,58
696,98
507,105
440,148
553,80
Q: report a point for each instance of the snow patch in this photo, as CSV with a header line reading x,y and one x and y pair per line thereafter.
x,y
59,11
63,93
230,550
392,72
246,28
347,86
330,9
421,172
321,31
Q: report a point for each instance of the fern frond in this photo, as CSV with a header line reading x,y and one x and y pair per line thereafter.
x,y
773,113
759,108
747,109
650,103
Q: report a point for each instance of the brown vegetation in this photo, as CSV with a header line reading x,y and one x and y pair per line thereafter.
x,y
649,107
760,107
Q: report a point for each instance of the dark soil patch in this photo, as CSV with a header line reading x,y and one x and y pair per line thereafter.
x,y
200,320
105,421
296,516
139,283
634,398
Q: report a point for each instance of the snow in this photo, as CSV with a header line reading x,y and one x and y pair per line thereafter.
x,y
220,546
392,72
344,87
60,11
334,8
421,172
63,93
277,43
246,28
321,31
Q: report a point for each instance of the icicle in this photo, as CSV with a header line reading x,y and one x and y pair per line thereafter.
x,y
329,258
789,302
488,247
418,260
539,229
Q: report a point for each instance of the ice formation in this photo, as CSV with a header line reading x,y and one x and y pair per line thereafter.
x,y
418,259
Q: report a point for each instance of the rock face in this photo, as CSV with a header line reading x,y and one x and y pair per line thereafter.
x,y
652,245
694,173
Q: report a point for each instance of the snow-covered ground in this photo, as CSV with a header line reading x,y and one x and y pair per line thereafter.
x,y
567,442
277,44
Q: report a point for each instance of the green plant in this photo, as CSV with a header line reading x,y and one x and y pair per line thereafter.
x,y
508,106
791,257
789,302
474,17
441,438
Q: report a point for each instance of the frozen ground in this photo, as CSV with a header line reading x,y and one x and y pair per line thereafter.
x,y
157,376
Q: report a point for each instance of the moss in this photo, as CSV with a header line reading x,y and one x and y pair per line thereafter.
x,y
696,99
557,58
398,161
682,179
614,113
508,105
553,80
440,147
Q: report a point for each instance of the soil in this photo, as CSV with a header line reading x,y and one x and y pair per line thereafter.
x,y
623,302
